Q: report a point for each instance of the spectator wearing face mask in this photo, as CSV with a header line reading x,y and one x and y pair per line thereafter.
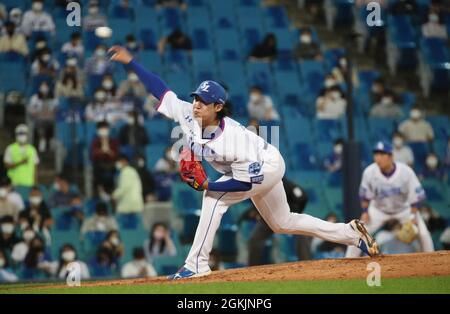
x,y
70,85
377,90
147,180
20,249
261,106
15,16
12,195
36,260
109,86
401,152
128,192
166,164
94,18
131,87
62,193
45,64
67,255
433,28
6,273
42,110
7,208
177,41
433,169
37,211
114,247
416,129
307,49
386,108
159,242
74,47
341,70
104,153
431,218
37,20
100,221
98,63
101,109
8,236
13,41
21,159
333,162
331,105
133,135
132,45
138,267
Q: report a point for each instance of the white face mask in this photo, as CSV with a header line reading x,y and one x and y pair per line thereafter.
x,y
24,225
255,97
305,39
386,100
330,82
141,163
2,262
103,132
119,165
398,142
100,96
28,235
100,52
115,241
41,44
3,192
338,149
7,228
158,235
133,77
433,18
415,114
130,120
68,256
22,138
37,6
93,10
108,84
335,95
35,200
46,57
44,89
343,62
432,162
132,45
71,62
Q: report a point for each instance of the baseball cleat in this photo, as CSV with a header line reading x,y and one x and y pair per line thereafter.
x,y
366,243
183,273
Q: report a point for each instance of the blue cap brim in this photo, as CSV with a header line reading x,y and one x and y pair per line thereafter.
x,y
205,97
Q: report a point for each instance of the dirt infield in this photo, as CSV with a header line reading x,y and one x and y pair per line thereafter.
x,y
392,266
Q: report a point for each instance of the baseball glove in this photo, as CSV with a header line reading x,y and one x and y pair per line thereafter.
x,y
191,170
408,233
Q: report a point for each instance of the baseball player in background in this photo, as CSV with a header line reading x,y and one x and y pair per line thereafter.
x,y
251,168
391,190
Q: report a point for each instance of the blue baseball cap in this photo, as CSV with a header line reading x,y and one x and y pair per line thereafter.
x,y
382,147
211,92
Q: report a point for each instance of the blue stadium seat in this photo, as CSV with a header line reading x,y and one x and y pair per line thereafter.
x,y
233,75
275,16
381,128
180,82
298,125
151,60
260,74
166,265
441,126
252,36
170,18
184,199
148,37
327,130
312,74
420,151
158,130
196,17
227,240
228,44
153,152
223,9
304,156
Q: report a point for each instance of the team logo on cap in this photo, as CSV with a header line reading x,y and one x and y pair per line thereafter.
x,y
204,86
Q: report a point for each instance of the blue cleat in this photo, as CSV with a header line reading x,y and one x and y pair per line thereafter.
x,y
183,273
366,243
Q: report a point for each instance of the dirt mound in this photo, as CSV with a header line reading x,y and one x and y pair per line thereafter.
x,y
392,266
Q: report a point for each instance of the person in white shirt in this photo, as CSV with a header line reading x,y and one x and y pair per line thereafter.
x,y
331,105
433,28
138,267
416,129
160,243
94,18
37,20
60,268
402,153
261,106
74,47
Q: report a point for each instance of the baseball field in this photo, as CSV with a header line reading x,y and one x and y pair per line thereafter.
x,y
406,273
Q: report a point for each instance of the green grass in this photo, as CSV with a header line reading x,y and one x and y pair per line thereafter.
x,y
389,285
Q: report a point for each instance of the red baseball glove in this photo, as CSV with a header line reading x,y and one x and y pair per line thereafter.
x,y
191,170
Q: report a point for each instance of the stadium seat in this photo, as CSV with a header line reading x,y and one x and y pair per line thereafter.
x,y
227,246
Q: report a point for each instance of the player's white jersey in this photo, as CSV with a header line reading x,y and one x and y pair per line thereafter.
x,y
391,194
236,151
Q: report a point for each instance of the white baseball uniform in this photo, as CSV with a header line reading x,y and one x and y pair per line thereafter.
x,y
391,196
240,154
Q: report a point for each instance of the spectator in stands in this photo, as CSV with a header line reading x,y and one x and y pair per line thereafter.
x,y
389,242
266,51
7,208
404,7
37,20
138,267
104,152
128,193
68,255
132,45
416,129
37,211
70,85
131,87
326,249
434,28
6,273
74,47
21,159
307,49
12,41
42,110
377,90
36,260
166,164
98,63
94,18
171,4
100,221
147,180
109,86
20,249
177,41
331,105
261,106
431,218
401,152
386,108
101,109
15,16
340,72
114,247
253,125
333,162
62,194
433,168
133,135
45,64
12,195
8,237
159,243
